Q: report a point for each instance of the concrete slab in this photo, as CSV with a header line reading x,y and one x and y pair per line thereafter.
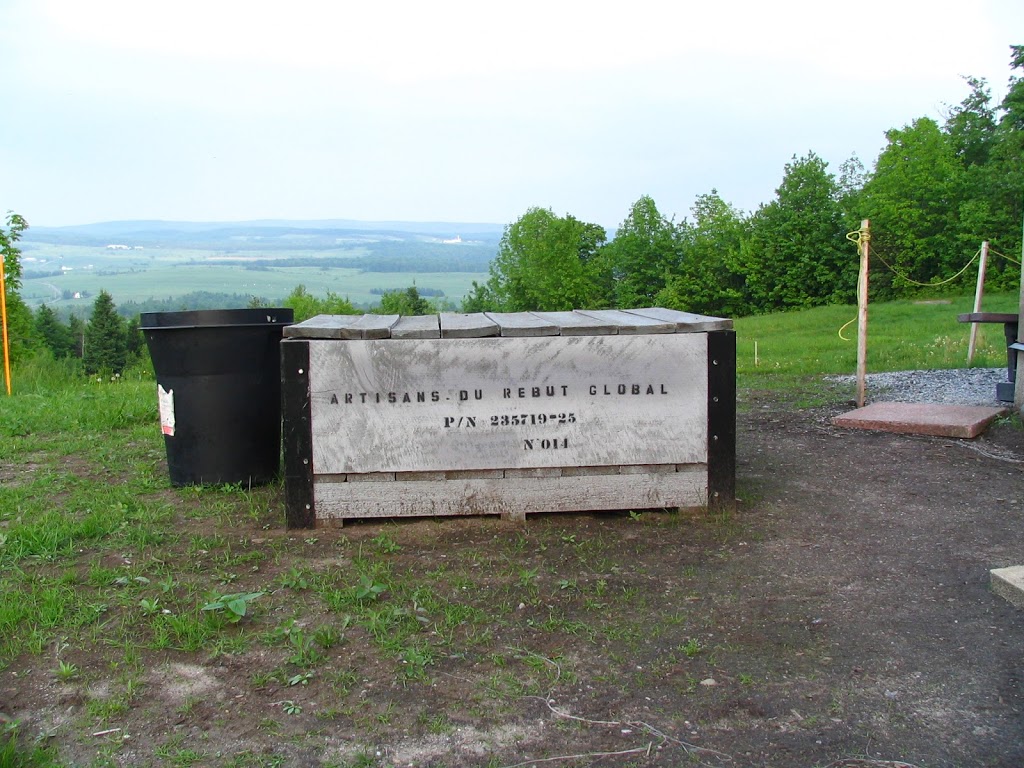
x,y
961,421
1009,583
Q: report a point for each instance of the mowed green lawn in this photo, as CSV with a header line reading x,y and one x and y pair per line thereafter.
x,y
902,335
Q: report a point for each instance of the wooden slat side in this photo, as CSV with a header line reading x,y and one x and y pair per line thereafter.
x,y
577,324
417,327
522,324
685,322
476,325
320,327
375,326
630,324
513,496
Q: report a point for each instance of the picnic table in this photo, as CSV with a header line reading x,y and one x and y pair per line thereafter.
x,y
1011,324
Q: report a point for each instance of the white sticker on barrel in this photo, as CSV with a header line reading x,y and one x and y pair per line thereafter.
x,y
166,399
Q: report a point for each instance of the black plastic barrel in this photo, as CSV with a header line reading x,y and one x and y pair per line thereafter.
x,y
219,386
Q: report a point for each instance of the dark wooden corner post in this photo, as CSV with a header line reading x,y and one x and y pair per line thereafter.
x,y
722,419
300,511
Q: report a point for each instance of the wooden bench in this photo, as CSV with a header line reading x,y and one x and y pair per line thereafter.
x,y
1011,324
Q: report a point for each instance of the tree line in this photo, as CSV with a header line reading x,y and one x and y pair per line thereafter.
x,y
936,191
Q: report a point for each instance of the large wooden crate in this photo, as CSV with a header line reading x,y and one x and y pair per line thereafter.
x,y
510,414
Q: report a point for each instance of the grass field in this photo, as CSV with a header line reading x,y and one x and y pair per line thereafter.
x,y
271,283
902,335
170,273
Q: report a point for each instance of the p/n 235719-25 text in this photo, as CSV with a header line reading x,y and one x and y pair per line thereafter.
x,y
507,413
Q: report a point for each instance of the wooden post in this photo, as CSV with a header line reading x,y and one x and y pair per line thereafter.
x,y
1018,388
978,293
862,313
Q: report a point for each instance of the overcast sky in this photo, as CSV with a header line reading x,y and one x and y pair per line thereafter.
x,y
457,110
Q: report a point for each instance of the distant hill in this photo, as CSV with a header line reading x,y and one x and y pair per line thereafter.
x,y
183,264
268,234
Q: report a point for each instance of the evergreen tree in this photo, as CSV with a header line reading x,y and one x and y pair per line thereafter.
x,y
76,328
52,333
106,347
135,341
407,302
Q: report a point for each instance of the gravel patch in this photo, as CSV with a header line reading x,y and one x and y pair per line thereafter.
x,y
959,386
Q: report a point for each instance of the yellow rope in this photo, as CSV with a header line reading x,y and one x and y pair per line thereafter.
x,y
997,253
926,285
859,237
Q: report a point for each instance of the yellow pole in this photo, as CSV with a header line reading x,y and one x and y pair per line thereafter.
x,y
3,316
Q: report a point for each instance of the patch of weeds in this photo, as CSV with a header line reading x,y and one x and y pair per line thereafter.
x,y
329,635
289,707
204,545
66,672
528,577
188,706
388,627
15,753
179,757
415,660
262,678
385,715
294,579
342,680
235,606
104,709
691,648
149,607
250,759
362,760
368,589
305,651
386,545
232,645
187,631
434,722
505,685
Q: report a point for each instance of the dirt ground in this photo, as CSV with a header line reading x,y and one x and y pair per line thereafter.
x,y
886,541
841,617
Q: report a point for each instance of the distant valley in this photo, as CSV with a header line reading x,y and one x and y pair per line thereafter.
x,y
166,265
